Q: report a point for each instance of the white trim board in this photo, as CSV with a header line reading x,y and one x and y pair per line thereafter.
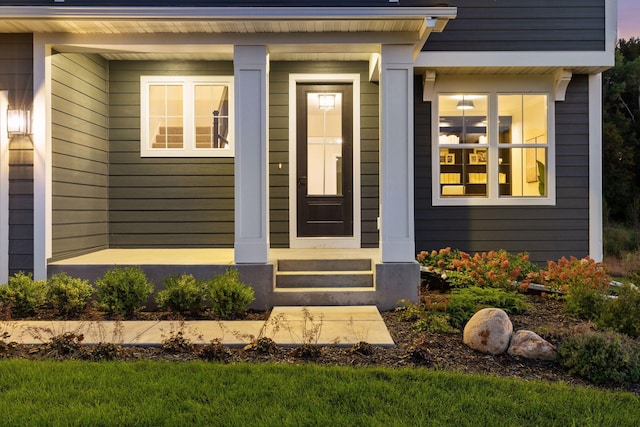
x,y
595,168
4,188
324,242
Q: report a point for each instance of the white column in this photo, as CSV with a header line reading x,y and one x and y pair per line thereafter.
x,y
41,136
4,188
595,167
251,71
396,154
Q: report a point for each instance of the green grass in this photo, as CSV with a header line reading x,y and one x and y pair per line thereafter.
x,y
149,393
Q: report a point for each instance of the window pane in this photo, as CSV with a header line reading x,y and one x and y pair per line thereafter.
x,y
527,115
522,171
166,127
463,119
324,144
211,106
463,172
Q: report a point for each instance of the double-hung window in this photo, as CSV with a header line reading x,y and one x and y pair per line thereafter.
x,y
186,116
493,148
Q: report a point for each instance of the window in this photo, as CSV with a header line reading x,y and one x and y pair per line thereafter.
x,y
493,148
186,116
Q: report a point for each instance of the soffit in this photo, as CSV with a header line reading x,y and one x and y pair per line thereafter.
x,y
291,33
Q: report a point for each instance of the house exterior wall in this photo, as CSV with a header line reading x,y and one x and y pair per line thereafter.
x,y
279,146
516,25
16,76
80,154
546,232
163,202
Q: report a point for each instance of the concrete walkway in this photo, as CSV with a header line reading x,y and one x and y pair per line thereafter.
x,y
287,326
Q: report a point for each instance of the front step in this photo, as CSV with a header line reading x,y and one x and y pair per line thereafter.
x,y
323,274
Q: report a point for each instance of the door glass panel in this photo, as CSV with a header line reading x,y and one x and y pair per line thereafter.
x,y
324,144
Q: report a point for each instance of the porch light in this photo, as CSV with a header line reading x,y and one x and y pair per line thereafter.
x,y
327,102
18,122
465,104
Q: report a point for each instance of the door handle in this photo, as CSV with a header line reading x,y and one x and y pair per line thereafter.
x,y
302,181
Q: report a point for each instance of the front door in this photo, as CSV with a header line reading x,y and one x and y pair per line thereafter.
x,y
324,161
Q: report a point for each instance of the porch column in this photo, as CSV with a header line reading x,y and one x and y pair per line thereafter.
x,y
396,154
251,79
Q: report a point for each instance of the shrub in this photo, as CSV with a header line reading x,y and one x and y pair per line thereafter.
x,y
123,291
23,295
435,323
229,297
623,313
584,282
182,294
68,295
465,302
496,269
602,358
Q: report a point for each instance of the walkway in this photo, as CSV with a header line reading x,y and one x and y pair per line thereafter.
x,y
287,326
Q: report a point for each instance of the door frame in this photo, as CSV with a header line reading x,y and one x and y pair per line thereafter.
x,y
323,242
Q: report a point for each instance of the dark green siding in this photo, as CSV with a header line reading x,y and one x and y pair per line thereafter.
x,y
163,202
16,76
279,145
546,232
80,154
517,25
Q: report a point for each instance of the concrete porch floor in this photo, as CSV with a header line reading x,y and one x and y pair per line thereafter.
x,y
205,256
287,326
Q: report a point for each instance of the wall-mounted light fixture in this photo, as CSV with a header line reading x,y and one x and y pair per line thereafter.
x,y
465,104
327,102
18,122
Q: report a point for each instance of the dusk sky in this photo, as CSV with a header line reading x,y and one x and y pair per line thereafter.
x,y
628,19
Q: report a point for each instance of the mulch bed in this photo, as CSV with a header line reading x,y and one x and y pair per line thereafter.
x,y
413,349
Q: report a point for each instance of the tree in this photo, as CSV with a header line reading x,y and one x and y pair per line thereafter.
x,y
621,134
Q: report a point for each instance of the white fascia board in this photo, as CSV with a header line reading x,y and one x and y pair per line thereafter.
x,y
205,13
565,59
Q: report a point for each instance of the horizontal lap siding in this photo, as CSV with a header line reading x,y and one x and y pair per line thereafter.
x,y
80,154
546,232
279,146
516,25
163,202
16,76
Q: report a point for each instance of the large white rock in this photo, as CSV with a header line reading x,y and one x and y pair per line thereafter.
x,y
530,345
489,331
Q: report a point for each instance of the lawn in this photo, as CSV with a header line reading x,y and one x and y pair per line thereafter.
x,y
152,393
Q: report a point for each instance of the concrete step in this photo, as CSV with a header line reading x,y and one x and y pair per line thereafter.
x,y
324,265
324,279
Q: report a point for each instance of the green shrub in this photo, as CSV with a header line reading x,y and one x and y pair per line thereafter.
x,y
602,358
68,295
182,294
623,313
619,239
435,323
23,295
123,291
229,297
465,302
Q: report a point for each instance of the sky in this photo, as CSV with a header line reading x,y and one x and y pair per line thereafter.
x,y
628,19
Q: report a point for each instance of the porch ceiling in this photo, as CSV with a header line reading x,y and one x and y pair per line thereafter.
x,y
209,33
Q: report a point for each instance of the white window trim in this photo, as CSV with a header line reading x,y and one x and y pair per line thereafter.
x,y
187,83
494,86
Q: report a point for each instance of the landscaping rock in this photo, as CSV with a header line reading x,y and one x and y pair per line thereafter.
x,y
488,331
530,345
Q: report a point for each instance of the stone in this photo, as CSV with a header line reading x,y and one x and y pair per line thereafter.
x,y
530,345
488,331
